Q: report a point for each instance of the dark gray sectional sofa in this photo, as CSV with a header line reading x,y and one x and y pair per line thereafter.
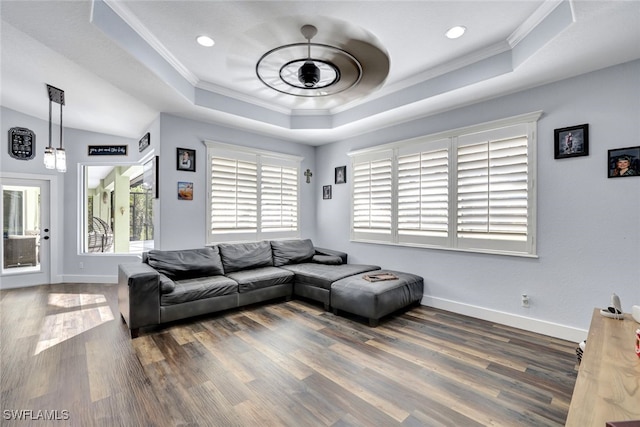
x,y
172,285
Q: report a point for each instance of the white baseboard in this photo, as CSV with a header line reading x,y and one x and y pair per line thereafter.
x,y
534,325
76,278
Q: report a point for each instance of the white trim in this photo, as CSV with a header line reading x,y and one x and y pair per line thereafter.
x,y
77,278
480,127
256,151
535,19
136,25
244,97
427,75
556,330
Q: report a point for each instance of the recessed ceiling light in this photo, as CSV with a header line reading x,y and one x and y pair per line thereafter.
x,y
205,41
455,32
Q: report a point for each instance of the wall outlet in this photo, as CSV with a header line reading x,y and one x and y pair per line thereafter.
x,y
525,300
82,266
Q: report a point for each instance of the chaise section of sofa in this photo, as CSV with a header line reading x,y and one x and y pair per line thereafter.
x,y
313,280
315,269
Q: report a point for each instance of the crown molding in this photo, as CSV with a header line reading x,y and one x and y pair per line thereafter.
x,y
241,96
136,25
431,73
534,20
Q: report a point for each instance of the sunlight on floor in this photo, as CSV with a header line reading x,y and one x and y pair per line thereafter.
x,y
60,327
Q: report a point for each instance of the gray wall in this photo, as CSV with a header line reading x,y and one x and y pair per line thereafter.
x,y
182,222
588,225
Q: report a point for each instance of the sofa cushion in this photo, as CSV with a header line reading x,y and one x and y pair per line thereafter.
x,y
322,275
292,251
199,288
243,256
327,259
258,278
187,263
166,285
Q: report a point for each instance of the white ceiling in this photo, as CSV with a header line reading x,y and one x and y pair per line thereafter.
x,y
121,63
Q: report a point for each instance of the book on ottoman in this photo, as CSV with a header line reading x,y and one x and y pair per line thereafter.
x,y
377,277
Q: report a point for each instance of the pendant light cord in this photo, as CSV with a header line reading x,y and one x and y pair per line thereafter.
x,y
50,123
60,126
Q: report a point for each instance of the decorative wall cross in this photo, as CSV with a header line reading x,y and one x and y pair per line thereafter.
x,y
308,174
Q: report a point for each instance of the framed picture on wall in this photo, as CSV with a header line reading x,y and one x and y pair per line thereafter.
x,y
144,142
186,159
623,162
571,141
185,190
341,175
326,192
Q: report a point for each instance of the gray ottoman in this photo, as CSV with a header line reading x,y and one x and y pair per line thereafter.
x,y
374,300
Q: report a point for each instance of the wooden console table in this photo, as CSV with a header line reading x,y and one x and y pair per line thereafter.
x,y
608,383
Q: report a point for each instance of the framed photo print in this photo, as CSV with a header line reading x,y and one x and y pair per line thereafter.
x,y
326,192
623,162
144,142
571,141
186,160
341,175
185,190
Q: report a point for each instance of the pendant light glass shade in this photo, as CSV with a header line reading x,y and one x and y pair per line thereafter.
x,y
61,160
50,158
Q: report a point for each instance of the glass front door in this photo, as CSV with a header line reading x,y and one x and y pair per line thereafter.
x,y
25,232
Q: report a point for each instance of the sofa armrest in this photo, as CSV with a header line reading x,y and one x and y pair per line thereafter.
x,y
323,251
139,295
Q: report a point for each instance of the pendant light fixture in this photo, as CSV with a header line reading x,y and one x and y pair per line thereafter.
x,y
55,158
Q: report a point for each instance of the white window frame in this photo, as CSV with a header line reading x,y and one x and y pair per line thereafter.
x,y
512,127
261,158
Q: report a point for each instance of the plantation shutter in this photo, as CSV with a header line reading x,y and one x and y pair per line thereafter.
x,y
253,194
234,191
493,189
469,189
279,197
423,194
371,211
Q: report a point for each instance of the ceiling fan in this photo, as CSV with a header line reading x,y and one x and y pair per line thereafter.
x,y
349,65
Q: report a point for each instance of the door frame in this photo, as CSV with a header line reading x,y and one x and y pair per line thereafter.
x,y
55,220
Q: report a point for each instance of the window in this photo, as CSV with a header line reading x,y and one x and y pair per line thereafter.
x,y
253,194
118,206
468,189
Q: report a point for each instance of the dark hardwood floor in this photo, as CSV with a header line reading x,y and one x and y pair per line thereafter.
x,y
66,355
